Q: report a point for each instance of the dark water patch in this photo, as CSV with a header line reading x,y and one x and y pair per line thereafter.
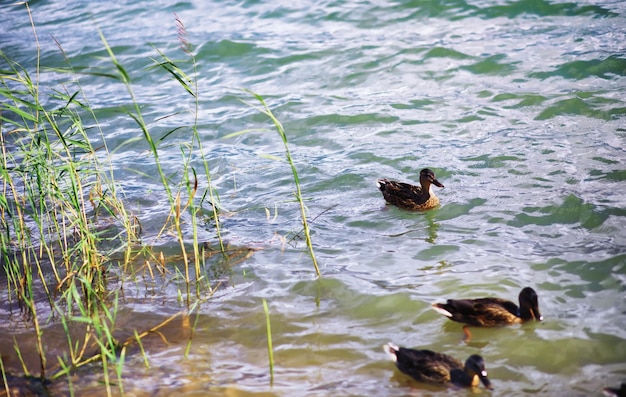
x,y
613,211
446,9
616,113
544,8
340,183
573,210
295,59
488,111
576,106
442,52
412,53
436,252
564,356
455,210
597,275
487,161
225,49
454,10
338,296
614,176
524,100
25,386
607,68
439,75
491,66
605,160
425,104
357,119
469,119
96,62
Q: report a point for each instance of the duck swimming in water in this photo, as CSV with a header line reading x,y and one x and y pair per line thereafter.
x,y
432,367
491,312
411,197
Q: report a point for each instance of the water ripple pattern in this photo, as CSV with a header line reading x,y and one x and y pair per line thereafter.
x,y
518,106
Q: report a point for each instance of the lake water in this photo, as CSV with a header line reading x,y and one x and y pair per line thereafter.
x,y
518,106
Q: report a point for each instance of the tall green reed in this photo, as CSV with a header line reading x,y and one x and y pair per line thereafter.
x,y
56,187
42,206
53,191
264,108
270,348
190,149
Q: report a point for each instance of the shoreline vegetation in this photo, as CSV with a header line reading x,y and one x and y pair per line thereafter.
x,y
69,241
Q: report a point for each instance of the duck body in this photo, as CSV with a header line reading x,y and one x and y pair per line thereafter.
x,y
409,196
492,312
432,367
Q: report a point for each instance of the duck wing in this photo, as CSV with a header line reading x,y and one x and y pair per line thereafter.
x,y
482,312
426,365
400,193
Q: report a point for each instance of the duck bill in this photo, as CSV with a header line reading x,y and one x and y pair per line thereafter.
x,y
486,382
536,315
437,183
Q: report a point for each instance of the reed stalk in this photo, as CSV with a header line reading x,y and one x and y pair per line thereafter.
x,y
4,377
52,192
194,148
298,193
270,349
54,188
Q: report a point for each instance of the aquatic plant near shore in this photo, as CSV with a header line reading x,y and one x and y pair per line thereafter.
x,y
298,193
189,150
270,349
64,226
54,191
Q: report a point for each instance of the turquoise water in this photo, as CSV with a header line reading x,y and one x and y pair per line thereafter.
x,y
518,106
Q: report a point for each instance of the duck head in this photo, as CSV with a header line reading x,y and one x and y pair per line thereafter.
x,y
475,367
529,305
427,177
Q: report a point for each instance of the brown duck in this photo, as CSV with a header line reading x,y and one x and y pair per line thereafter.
x,y
491,312
411,197
432,367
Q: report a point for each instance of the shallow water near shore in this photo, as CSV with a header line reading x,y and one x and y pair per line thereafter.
x,y
519,109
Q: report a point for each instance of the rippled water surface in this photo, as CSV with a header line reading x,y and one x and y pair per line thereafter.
x,y
518,106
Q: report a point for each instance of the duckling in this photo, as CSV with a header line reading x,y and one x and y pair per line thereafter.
x,y
491,312
411,197
611,391
433,367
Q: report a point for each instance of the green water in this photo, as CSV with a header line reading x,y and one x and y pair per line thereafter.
x,y
518,106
